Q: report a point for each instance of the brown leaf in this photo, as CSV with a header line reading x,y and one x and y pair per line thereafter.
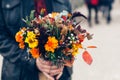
x,y
89,36
87,57
91,47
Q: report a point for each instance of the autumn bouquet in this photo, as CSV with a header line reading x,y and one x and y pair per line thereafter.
x,y
56,37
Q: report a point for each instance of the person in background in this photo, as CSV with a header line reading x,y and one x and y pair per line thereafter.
x,y
16,65
92,4
106,6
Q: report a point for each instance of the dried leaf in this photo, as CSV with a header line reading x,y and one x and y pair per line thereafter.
x,y
89,36
91,47
87,57
78,14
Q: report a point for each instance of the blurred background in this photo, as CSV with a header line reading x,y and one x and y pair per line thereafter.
x,y
106,56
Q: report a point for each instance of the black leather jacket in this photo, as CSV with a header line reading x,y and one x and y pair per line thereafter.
x,y
16,65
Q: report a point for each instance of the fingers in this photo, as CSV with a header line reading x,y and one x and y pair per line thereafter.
x,y
54,67
59,75
53,71
42,65
48,76
56,71
44,62
51,77
48,69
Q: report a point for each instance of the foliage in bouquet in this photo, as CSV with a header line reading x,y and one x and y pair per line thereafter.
x,y
55,37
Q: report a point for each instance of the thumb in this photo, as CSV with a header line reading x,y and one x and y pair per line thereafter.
x,y
59,75
48,76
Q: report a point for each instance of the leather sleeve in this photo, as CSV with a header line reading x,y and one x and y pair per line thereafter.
x,y
9,47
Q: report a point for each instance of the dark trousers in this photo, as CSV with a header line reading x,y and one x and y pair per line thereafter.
x,y
90,7
107,12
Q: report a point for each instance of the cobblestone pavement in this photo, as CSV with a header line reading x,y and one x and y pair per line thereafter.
x,y
106,57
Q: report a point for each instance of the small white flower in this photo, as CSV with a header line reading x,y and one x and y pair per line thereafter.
x,y
73,38
69,38
40,17
76,37
57,18
71,34
50,15
70,41
64,13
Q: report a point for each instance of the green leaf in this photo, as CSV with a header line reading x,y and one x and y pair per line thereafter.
x,y
32,15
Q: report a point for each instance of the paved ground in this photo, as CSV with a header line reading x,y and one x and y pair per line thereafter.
x,y
106,65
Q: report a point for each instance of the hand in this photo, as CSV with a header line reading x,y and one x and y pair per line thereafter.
x,y
58,76
55,70
44,67
48,70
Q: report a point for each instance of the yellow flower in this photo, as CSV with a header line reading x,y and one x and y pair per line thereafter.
x,y
54,14
31,40
51,44
75,48
31,34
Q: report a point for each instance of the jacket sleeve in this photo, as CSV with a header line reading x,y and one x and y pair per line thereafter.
x,y
60,5
9,48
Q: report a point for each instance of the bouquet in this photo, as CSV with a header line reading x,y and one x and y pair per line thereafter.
x,y
56,37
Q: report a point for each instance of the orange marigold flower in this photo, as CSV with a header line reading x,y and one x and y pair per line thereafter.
x,y
23,29
43,10
22,45
70,27
51,44
19,37
69,15
35,52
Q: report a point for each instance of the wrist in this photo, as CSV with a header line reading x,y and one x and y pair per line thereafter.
x,y
37,64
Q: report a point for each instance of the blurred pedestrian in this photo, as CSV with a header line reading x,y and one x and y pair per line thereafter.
x,y
92,4
106,6
16,64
